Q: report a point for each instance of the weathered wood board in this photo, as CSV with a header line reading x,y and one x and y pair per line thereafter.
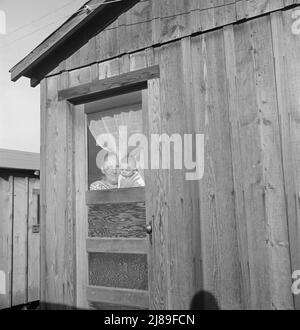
x,y
19,276
6,215
33,242
154,22
19,244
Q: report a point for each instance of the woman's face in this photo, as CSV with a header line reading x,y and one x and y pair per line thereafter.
x,y
111,170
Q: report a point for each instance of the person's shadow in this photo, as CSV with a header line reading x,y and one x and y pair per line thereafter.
x,y
204,300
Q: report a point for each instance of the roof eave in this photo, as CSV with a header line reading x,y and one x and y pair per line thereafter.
x,y
19,160
66,39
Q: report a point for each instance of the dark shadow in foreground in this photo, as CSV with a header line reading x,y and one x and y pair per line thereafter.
x,y
204,300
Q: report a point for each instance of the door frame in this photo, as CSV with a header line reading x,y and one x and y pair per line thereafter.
x,y
73,99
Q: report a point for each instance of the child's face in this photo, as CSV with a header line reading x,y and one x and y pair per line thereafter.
x,y
128,167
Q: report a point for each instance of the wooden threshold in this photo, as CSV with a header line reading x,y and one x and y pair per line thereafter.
x,y
117,245
116,196
125,297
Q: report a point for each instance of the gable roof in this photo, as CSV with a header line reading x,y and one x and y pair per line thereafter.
x,y
88,21
19,160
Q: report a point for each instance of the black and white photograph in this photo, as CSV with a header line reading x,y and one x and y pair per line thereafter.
x,y
149,157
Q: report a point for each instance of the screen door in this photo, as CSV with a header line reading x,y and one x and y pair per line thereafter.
x,y
118,235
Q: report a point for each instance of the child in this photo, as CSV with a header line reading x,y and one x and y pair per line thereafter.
x,y
129,175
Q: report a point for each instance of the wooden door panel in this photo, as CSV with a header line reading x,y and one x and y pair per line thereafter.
x,y
117,249
118,270
112,298
117,245
117,220
115,196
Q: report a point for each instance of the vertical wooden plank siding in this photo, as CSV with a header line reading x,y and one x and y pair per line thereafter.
x,y
276,231
219,249
69,284
241,226
80,176
80,162
20,253
79,149
253,183
286,55
57,177
191,188
6,219
263,187
50,274
33,259
180,210
43,187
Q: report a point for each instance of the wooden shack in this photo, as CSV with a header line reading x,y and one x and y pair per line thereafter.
x,y
229,70
19,228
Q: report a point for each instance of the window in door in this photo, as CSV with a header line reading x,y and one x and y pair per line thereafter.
x,y
112,163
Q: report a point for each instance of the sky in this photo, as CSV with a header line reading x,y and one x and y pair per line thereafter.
x,y
28,23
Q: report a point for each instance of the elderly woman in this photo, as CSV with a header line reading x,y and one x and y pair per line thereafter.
x,y
110,174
